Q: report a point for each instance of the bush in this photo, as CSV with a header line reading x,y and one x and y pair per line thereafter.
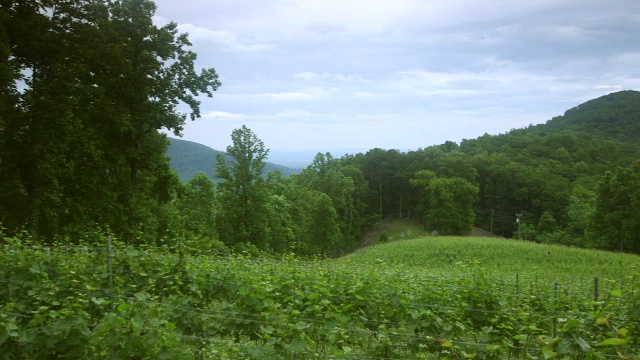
x,y
247,249
557,237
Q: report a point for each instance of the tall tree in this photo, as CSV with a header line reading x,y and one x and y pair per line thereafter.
x,y
13,203
302,219
85,133
346,188
155,73
615,224
243,194
447,203
197,207
580,211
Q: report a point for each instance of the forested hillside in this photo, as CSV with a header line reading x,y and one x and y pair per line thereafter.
x,y
188,159
573,180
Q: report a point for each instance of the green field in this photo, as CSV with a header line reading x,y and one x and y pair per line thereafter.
x,y
424,298
500,258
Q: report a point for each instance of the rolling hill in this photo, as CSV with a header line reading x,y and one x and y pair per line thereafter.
x,y
188,159
615,116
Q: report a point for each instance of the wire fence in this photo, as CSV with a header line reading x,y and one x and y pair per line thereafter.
x,y
518,287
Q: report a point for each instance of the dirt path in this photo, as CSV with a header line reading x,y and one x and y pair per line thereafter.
x,y
395,226
392,227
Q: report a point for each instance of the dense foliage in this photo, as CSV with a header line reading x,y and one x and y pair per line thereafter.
x,y
573,180
397,301
85,88
80,151
86,85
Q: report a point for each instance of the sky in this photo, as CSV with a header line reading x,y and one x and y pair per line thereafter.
x,y
401,74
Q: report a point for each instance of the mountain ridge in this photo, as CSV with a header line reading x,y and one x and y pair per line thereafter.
x,y
612,117
188,159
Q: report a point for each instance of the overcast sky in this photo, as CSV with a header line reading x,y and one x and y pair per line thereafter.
x,y
401,74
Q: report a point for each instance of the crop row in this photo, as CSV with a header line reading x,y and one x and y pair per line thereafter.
x,y
166,304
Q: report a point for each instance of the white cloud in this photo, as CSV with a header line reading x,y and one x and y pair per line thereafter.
x,y
310,94
608,87
312,76
222,40
223,115
403,73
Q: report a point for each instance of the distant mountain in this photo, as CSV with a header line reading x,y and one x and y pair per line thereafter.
x,y
614,117
188,159
603,132
300,159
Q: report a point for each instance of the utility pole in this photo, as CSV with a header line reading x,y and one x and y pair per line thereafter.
x,y
622,238
491,228
518,216
380,168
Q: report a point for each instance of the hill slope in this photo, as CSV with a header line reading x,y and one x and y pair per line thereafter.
x,y
615,117
189,159
602,130
497,257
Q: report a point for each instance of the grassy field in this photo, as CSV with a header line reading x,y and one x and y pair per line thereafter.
x,y
423,298
499,258
392,230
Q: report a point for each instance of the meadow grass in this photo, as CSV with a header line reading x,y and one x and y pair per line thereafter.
x,y
498,258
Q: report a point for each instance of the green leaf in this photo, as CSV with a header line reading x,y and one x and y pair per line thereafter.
x,y
548,353
298,345
166,355
141,296
613,342
571,324
137,322
301,325
10,330
582,343
97,301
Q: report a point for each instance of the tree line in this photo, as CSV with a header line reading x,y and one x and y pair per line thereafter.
x,y
527,184
86,87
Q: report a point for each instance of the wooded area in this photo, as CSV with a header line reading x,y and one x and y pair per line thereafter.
x,y
86,86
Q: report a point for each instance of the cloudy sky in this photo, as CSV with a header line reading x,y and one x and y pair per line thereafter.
x,y
401,74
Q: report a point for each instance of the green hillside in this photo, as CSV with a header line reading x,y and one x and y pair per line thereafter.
x,y
615,117
188,159
573,180
500,258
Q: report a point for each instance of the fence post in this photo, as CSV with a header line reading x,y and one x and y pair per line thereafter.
x,y
595,294
555,318
110,270
109,264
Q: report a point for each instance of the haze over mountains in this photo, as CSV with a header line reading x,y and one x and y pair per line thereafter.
x,y
189,159
299,159
613,117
